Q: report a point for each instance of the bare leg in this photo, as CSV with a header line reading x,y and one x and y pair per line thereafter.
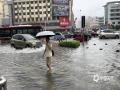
x,y
48,62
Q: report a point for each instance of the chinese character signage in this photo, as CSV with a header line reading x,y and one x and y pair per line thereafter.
x,y
62,2
60,10
63,21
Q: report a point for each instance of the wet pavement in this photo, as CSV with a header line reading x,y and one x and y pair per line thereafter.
x,y
93,66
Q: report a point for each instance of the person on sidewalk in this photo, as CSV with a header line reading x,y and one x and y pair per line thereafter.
x,y
48,53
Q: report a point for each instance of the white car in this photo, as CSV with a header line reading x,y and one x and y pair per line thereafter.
x,y
108,34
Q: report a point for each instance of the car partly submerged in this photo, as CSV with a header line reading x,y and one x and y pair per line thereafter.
x,y
24,41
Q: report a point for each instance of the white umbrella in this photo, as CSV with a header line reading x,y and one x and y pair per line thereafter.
x,y
45,34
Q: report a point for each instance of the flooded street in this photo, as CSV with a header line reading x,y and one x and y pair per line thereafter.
x,y
93,66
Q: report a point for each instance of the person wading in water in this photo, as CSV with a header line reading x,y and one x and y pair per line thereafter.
x,y
48,53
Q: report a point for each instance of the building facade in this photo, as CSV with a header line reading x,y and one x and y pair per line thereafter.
x,y
1,12
112,13
100,21
4,17
41,12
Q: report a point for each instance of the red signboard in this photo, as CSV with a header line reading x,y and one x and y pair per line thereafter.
x,y
63,21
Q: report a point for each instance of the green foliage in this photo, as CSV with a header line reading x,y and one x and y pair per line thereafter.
x,y
69,43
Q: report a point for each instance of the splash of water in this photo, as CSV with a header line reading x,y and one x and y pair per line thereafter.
x,y
8,49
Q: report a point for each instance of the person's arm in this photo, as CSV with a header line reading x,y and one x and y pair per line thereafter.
x,y
44,52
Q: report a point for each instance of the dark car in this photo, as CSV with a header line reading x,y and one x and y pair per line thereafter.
x,y
68,35
59,36
24,40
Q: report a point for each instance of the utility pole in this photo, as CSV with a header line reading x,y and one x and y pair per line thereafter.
x,y
46,14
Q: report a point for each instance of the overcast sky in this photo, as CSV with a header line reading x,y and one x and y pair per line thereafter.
x,y
89,7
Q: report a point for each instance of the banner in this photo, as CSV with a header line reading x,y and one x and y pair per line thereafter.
x,y
63,21
62,2
60,10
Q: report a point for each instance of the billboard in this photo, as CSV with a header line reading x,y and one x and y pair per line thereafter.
x,y
60,10
63,21
62,2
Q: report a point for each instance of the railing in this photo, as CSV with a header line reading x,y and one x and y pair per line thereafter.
x,y
3,83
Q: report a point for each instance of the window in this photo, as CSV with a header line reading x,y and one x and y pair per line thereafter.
x,y
44,18
24,13
113,22
16,13
23,2
28,19
54,18
19,13
32,19
40,12
40,19
24,31
27,8
32,12
36,7
19,32
31,2
28,13
36,19
48,0
107,31
16,20
19,3
27,2
14,31
48,12
20,37
31,7
23,8
44,7
24,19
49,18
15,3
15,36
36,12
117,14
48,6
44,1
44,12
15,9
40,7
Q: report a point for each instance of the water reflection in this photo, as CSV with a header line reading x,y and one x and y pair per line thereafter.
x,y
49,83
73,68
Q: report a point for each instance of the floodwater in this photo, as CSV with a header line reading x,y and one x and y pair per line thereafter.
x,y
95,65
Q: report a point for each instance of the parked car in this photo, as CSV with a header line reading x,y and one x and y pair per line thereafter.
x,y
94,33
59,36
108,34
68,34
24,40
87,34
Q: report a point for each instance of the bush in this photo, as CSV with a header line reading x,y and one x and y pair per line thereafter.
x,y
69,43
